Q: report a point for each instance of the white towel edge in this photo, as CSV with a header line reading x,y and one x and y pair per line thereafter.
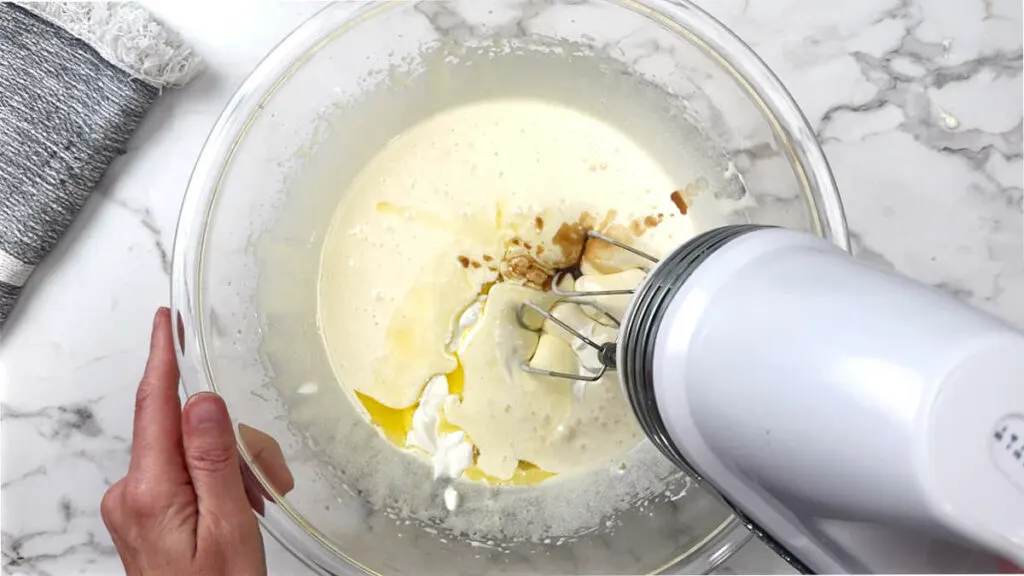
x,y
13,271
126,35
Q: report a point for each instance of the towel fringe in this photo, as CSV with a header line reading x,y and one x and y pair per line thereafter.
x,y
126,35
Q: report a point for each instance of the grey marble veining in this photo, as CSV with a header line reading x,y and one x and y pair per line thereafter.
x,y
919,113
917,104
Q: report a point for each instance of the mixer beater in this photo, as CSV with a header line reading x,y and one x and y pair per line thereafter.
x,y
606,351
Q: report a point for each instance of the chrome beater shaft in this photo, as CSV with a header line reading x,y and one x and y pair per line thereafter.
x,y
605,351
598,236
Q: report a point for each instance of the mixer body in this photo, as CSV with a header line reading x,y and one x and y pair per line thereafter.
x,y
859,421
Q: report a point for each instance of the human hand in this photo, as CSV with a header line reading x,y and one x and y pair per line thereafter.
x,y
265,454
183,507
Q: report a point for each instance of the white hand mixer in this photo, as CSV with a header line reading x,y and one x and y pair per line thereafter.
x,y
857,420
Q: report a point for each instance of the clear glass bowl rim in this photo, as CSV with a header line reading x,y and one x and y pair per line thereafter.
x,y
778,107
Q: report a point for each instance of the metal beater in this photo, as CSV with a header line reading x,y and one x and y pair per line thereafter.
x,y
606,351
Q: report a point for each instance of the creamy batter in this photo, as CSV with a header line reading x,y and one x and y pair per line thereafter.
x,y
438,240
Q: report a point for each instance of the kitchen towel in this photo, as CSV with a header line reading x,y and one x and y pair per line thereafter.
x,y
75,81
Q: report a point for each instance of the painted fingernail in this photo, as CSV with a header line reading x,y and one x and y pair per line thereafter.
x,y
205,409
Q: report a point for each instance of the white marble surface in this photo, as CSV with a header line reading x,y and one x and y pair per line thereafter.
x,y
918,104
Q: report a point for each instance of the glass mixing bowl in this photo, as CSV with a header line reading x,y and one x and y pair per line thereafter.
x,y
249,224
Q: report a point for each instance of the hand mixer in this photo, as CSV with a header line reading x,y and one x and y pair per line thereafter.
x,y
856,421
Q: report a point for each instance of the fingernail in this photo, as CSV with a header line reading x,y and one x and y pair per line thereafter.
x,y
159,312
205,409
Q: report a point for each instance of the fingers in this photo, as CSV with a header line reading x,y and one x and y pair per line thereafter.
x,y
254,491
267,456
182,508
156,441
212,460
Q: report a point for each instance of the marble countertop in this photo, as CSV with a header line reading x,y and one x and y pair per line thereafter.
x,y
918,105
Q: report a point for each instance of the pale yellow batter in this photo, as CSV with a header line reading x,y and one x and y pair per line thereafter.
x,y
480,204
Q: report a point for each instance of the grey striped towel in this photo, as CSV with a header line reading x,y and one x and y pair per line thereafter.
x,y
75,80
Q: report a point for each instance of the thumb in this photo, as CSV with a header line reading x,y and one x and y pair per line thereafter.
x,y
212,459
